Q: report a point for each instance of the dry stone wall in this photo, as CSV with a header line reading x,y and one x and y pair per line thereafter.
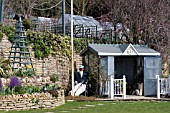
x,y
78,60
46,67
31,101
34,100
5,46
9,22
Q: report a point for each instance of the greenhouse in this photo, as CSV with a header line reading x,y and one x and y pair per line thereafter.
x,y
84,26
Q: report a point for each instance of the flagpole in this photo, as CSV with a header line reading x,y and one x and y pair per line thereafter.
x,y
72,57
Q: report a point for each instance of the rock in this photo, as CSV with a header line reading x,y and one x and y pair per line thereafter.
x,y
39,79
24,108
34,107
25,96
24,80
48,79
47,103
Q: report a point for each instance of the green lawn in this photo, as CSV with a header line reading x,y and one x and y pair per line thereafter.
x,y
105,107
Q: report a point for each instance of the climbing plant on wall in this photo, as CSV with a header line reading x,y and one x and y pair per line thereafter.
x,y
80,44
7,30
47,43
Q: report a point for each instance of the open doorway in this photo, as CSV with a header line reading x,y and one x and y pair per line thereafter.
x,y
132,67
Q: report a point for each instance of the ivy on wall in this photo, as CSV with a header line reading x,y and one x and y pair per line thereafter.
x,y
80,44
8,31
45,44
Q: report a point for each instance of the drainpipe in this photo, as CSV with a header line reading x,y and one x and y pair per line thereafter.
x,y
2,11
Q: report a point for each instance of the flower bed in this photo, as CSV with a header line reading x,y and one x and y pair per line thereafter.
x,y
29,93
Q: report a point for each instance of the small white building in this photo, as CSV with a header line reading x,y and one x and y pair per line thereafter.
x,y
136,62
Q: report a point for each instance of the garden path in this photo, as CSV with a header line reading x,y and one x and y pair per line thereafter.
x,y
82,107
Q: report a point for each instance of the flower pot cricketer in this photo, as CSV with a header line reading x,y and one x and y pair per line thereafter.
x,y
81,79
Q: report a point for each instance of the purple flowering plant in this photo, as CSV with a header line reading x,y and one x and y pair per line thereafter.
x,y
15,82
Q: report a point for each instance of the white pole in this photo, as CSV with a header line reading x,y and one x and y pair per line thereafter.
x,y
112,87
72,58
158,87
124,87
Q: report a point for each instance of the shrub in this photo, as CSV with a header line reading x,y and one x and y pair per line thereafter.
x,y
19,72
1,85
4,67
54,93
54,77
9,31
1,35
7,90
20,90
33,89
30,72
17,90
36,89
28,24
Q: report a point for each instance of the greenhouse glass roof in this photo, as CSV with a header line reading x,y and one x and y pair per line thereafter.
x,y
86,21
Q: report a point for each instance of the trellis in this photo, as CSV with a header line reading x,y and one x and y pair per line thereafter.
x,y
19,54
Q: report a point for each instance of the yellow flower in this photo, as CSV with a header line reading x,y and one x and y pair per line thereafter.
x,y
29,66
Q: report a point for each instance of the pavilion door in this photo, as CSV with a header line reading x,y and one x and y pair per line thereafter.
x,y
152,67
